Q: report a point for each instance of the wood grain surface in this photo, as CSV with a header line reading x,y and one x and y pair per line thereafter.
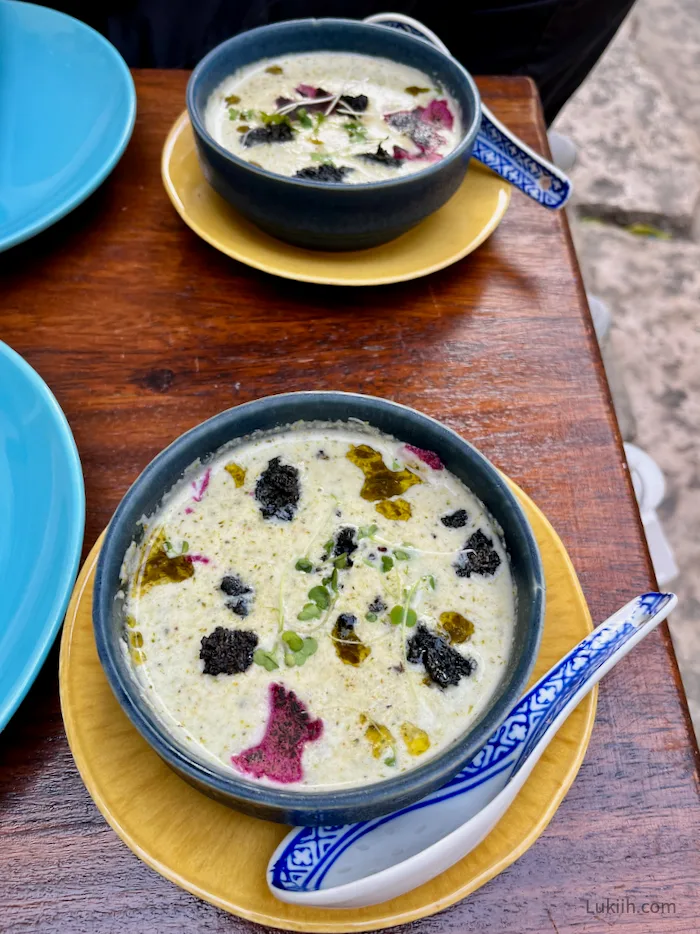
x,y
142,331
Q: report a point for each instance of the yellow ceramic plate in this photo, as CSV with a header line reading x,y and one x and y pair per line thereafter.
x,y
459,227
221,855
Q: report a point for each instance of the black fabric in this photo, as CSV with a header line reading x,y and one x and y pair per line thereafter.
x,y
555,42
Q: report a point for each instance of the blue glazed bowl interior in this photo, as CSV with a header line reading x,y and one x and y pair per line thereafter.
x,y
344,805
333,35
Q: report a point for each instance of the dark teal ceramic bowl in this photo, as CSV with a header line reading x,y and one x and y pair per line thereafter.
x,y
281,803
316,214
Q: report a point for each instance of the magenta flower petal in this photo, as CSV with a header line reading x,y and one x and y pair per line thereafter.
x,y
202,559
200,487
289,728
428,457
438,114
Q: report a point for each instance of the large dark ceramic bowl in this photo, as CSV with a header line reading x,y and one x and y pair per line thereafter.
x,y
281,803
317,214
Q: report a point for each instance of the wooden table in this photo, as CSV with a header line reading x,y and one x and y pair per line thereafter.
x,y
142,331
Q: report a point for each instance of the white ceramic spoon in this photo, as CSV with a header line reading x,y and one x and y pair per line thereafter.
x,y
499,149
373,861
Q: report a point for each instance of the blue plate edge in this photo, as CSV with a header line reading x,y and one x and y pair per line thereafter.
x,y
9,704
94,183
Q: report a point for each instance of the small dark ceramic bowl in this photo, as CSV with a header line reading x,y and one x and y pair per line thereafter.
x,y
316,214
280,803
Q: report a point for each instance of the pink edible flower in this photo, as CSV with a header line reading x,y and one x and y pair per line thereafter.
x,y
189,511
201,558
423,154
278,754
200,488
428,457
437,113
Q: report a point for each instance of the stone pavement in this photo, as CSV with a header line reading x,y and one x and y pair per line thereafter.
x,y
636,222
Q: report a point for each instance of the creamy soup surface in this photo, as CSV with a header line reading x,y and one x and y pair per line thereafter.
x,y
334,117
324,606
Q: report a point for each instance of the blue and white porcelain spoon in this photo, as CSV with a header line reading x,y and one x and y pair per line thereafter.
x,y
496,146
373,861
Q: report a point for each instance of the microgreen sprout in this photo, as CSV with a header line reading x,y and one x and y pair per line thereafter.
x,y
265,659
172,552
356,132
304,118
309,611
320,596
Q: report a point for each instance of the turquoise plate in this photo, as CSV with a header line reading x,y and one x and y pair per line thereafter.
x,y
67,106
42,517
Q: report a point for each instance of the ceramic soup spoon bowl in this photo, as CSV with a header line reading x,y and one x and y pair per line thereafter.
x,y
495,145
372,861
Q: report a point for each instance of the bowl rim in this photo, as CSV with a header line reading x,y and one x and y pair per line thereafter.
x,y
198,125
381,796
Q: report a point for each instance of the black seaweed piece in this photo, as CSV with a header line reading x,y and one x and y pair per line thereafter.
x,y
345,543
377,605
240,606
345,626
278,491
443,664
241,595
408,122
323,173
233,586
455,520
423,135
358,104
404,121
478,557
272,133
382,157
228,651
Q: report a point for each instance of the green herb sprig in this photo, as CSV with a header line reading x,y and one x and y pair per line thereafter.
x,y
298,649
356,132
172,552
304,119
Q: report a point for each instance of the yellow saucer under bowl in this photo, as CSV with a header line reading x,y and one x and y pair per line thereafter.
x,y
458,228
220,855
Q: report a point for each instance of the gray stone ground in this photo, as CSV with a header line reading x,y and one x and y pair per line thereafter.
x,y
636,124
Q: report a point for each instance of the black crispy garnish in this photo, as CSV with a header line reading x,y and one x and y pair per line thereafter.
x,y
345,626
382,157
478,556
323,173
272,133
278,490
240,595
443,664
228,651
455,520
348,645
377,605
345,543
358,104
